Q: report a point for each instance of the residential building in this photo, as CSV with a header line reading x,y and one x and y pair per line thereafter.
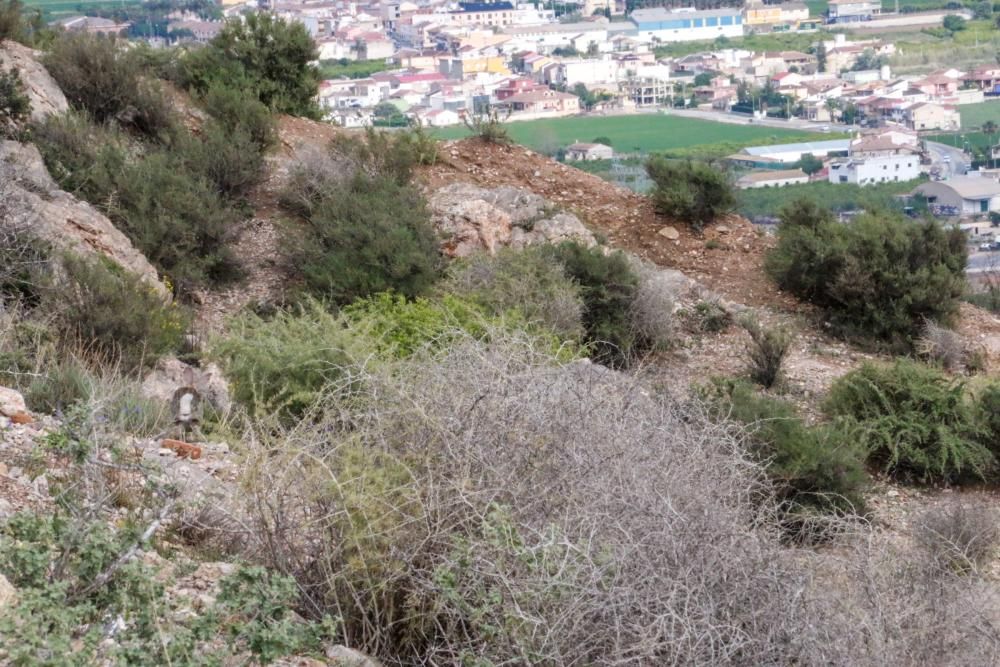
x,y
771,179
985,78
646,91
961,196
853,11
200,31
687,24
883,158
582,152
929,116
543,103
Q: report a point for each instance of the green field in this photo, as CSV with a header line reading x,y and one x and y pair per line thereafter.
x,y
56,9
642,133
973,117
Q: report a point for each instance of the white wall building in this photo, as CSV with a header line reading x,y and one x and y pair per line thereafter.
x,y
688,24
871,170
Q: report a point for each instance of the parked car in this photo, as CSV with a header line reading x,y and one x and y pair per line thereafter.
x,y
946,158
991,246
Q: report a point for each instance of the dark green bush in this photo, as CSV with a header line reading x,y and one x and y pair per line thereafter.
x,y
102,77
693,192
261,54
229,160
366,235
11,20
14,103
988,406
608,286
915,421
766,351
169,210
238,109
113,315
813,468
880,276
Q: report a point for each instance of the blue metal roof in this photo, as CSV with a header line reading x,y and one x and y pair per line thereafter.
x,y
485,6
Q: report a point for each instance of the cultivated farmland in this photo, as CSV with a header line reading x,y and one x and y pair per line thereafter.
x,y
641,133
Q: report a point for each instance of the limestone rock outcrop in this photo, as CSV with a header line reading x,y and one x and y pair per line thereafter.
x,y
471,219
171,374
42,90
34,199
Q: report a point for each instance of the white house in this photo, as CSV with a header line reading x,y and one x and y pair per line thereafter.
x,y
688,24
873,159
582,151
962,195
771,179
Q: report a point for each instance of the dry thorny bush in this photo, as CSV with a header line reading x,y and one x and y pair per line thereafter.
x,y
488,502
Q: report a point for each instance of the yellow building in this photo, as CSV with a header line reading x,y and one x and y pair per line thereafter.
x,y
757,14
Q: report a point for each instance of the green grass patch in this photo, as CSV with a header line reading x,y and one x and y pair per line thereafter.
x,y
643,133
834,196
350,69
57,9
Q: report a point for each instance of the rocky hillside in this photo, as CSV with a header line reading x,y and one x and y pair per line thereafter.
x,y
273,392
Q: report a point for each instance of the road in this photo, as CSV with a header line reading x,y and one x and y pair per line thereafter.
x,y
740,119
959,163
982,262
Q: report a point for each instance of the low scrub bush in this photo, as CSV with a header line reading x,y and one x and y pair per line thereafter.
x,y
915,421
388,155
100,76
608,286
489,126
483,502
879,277
363,236
710,316
958,536
766,351
526,281
113,315
942,346
652,309
693,192
284,364
813,468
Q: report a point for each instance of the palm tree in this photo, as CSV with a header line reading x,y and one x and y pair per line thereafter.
x,y
989,128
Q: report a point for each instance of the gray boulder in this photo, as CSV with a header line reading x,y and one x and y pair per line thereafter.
x,y
472,219
43,92
35,201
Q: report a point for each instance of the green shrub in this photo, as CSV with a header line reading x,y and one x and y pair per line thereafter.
x,y
283,365
711,317
54,560
11,20
263,55
238,109
175,218
364,236
229,160
113,314
693,192
813,468
398,327
526,281
169,210
14,103
880,276
608,286
102,77
766,351
489,126
988,406
915,421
